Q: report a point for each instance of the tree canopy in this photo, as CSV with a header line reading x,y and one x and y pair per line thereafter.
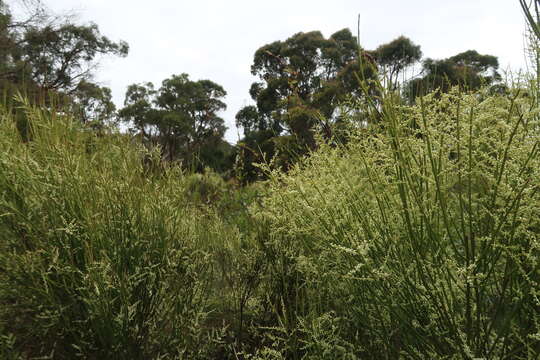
x,y
304,82
396,56
469,70
301,80
45,56
181,116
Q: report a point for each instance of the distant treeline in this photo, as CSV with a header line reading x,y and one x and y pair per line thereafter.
x,y
308,86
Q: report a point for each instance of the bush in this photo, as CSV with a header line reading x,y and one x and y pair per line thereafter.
x,y
98,257
205,188
420,236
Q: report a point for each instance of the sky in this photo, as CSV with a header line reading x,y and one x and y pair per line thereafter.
x,y
216,39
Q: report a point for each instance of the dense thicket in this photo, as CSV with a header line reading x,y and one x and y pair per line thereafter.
x,y
371,217
419,238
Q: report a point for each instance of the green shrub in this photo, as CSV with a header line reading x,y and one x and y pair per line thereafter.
x,y
418,238
421,236
98,257
205,188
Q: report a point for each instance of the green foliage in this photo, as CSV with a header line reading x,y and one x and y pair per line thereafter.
x,y
257,147
60,55
395,57
98,257
420,237
138,110
304,83
182,117
469,70
302,80
249,119
51,60
207,187
92,103
403,231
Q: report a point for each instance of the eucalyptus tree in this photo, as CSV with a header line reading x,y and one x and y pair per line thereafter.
x,y
301,81
92,103
139,111
189,116
395,57
182,116
469,70
45,55
304,84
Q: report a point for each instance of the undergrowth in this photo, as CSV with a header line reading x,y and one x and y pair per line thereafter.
x,y
416,238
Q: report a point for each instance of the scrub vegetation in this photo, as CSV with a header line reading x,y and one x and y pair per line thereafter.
x,y
380,219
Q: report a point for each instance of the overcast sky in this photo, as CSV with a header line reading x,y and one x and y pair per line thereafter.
x,y
216,39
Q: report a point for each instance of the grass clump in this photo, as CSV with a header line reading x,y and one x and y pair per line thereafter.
x,y
419,237
99,257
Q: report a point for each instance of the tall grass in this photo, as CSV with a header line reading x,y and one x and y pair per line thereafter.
x,y
419,238
99,257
